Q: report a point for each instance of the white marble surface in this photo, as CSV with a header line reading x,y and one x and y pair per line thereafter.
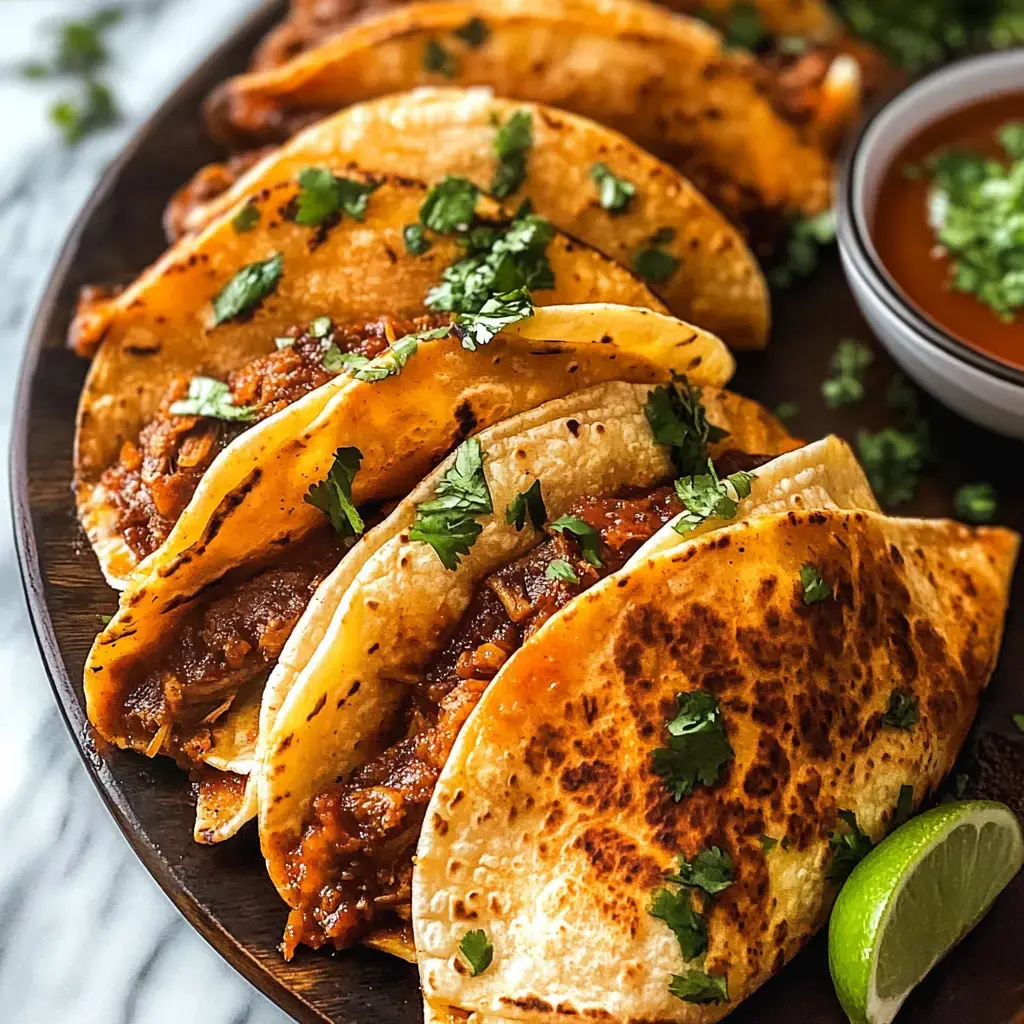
x,y
86,937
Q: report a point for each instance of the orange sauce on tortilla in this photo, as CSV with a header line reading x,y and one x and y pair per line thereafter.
x,y
906,243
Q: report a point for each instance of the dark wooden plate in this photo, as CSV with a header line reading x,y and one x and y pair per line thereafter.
x,y
224,891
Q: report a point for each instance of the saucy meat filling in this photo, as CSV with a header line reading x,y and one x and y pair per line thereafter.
x,y
220,645
352,869
155,476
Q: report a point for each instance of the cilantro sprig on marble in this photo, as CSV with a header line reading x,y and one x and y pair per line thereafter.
x,y
448,522
976,209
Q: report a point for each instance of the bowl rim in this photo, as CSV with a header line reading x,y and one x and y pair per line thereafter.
x,y
853,238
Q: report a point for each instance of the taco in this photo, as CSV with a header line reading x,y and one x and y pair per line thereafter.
x,y
275,300
730,714
310,22
591,183
181,668
663,80
564,496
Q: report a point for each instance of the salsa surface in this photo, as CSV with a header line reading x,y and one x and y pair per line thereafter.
x,y
906,242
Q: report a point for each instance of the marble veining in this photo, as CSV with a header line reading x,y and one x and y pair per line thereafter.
x,y
86,936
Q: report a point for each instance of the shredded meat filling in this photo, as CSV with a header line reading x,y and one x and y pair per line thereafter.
x,y
351,870
156,475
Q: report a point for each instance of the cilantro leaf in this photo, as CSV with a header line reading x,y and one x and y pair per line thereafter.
x,y
1018,720
446,522
677,418
849,847
560,569
676,910
389,363
652,262
800,255
477,951
529,501
497,313
588,539
246,219
512,144
705,496
450,205
209,397
710,870
698,745
976,503
849,363
416,241
333,495
614,193
474,33
815,587
787,411
320,327
322,195
253,283
893,460
903,711
437,59
498,260
92,110
698,987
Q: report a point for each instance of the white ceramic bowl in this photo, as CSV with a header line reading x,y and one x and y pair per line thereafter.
x,y
982,389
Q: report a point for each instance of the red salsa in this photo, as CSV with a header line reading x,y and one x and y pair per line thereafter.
x,y
907,243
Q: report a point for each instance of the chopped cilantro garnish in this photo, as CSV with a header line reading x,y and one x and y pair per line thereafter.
x,y
81,48
449,205
849,847
497,313
322,194
1018,720
498,261
526,502
815,588
246,219
902,712
697,747
675,908
474,33
320,327
333,495
904,807
893,460
974,203
249,286
416,241
678,419
653,262
799,258
614,193
388,363
787,411
849,364
437,59
477,951
768,843
705,496
209,397
92,110
588,539
710,870
698,987
447,522
106,619
560,569
977,503
512,143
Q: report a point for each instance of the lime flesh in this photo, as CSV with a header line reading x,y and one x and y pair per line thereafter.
x,y
913,898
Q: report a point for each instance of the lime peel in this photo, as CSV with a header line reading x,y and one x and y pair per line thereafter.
x,y
913,898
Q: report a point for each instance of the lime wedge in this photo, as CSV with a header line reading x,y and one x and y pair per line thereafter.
x,y
913,898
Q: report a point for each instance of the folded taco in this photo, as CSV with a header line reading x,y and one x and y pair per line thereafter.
x,y
590,182
181,668
644,816
498,540
665,81
311,277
